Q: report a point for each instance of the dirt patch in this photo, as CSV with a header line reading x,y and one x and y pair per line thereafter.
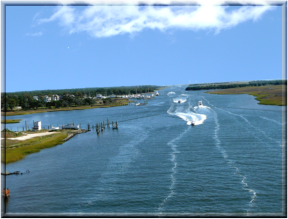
x,y
28,136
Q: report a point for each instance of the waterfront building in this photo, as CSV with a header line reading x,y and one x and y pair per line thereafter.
x,y
55,97
37,125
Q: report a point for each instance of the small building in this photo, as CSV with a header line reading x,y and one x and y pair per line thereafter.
x,y
55,97
99,96
112,96
35,97
37,125
48,99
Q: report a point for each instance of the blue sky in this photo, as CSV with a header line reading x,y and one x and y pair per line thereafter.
x,y
49,47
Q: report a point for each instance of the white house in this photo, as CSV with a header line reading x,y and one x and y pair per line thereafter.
x,y
35,97
37,125
99,96
112,95
55,97
47,99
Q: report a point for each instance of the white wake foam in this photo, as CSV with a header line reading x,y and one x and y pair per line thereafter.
x,y
271,120
198,108
171,93
187,115
182,99
231,162
249,123
173,169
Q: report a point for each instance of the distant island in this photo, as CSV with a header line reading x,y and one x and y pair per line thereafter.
x,y
29,102
268,92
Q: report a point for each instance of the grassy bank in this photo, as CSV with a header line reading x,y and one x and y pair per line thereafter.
x,y
17,150
10,121
267,95
25,112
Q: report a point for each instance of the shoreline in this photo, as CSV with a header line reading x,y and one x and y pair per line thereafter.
x,y
16,150
26,112
266,95
9,121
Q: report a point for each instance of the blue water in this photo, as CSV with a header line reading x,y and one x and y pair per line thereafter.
x,y
230,163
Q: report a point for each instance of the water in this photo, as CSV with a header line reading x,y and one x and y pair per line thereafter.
x,y
230,163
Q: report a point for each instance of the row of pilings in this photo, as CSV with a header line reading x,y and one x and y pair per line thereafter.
x,y
100,126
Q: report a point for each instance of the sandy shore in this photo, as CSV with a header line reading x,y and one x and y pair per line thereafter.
x,y
28,136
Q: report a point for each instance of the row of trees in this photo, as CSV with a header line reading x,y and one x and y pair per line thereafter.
x,y
26,101
10,101
94,91
226,86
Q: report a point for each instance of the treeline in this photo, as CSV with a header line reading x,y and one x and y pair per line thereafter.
x,y
81,97
27,102
226,86
93,91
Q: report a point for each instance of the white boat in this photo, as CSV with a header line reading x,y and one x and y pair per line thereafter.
x,y
70,126
54,128
200,104
180,101
137,104
157,94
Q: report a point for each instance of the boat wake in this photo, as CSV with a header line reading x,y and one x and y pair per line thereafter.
x,y
231,162
187,115
201,108
249,123
271,120
173,169
171,93
180,100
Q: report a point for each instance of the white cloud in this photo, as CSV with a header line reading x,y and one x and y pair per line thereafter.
x,y
34,34
105,21
36,15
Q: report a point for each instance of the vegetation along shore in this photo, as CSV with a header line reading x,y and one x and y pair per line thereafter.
x,y
271,92
18,149
28,102
113,102
10,121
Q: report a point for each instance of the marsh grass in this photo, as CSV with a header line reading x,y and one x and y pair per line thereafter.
x,y
17,150
10,121
267,95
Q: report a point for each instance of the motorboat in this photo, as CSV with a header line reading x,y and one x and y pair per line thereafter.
x,y
70,126
54,129
200,104
180,101
192,123
157,94
137,104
